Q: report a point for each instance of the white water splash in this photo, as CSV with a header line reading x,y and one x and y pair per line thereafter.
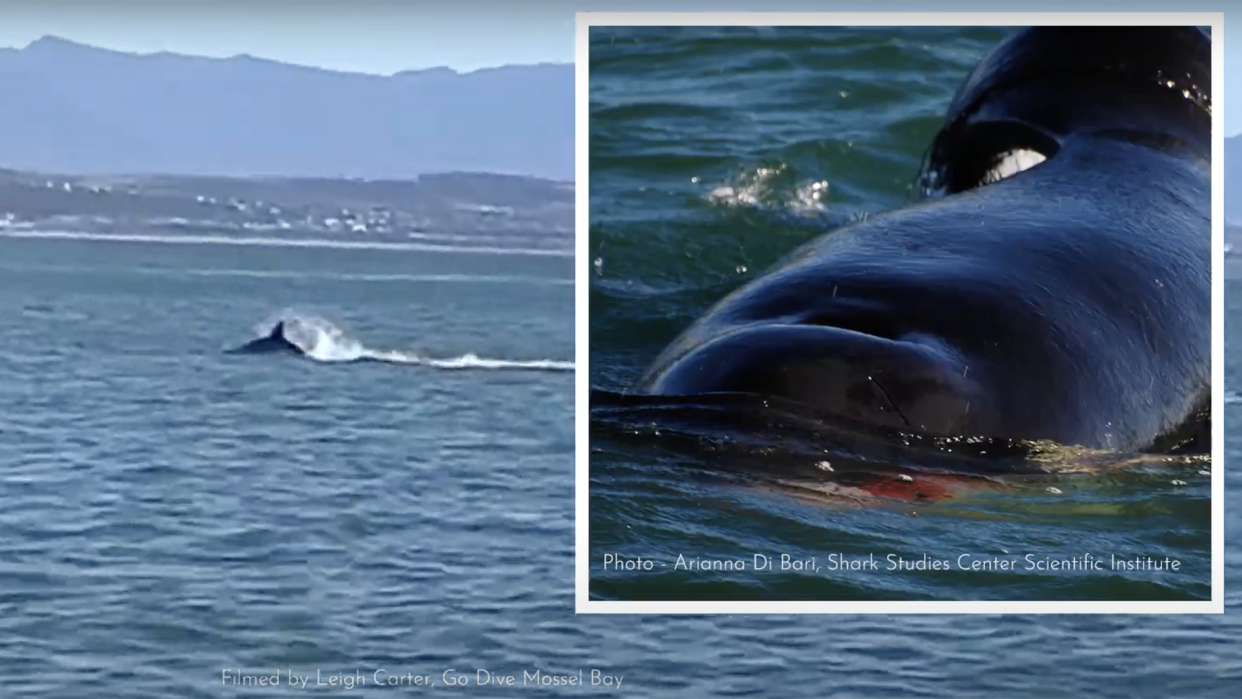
x,y
323,341
761,187
471,361
320,340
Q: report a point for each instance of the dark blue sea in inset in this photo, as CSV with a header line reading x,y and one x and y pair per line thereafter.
x,y
713,153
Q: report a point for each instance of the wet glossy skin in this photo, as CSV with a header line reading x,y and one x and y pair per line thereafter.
x,y
274,342
1068,301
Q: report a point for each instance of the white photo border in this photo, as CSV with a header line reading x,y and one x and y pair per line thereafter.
x,y
582,450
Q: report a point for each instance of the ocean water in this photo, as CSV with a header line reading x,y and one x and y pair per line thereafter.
x,y
714,151
748,145
168,512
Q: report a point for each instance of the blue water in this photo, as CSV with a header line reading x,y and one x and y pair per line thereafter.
x,y
168,512
714,151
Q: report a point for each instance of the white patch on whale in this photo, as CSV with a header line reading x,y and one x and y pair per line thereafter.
x,y
1011,163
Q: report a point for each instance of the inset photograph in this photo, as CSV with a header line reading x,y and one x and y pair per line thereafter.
x,y
901,318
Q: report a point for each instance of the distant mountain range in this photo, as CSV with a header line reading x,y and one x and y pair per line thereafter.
x,y
81,110
77,109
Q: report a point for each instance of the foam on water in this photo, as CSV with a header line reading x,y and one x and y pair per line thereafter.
x,y
323,341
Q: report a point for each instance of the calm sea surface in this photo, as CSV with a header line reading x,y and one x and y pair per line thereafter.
x,y
168,511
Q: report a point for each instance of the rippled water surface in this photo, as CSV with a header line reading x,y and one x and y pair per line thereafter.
x,y
167,511
714,152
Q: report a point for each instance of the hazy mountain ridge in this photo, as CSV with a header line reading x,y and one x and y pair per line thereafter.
x,y
78,109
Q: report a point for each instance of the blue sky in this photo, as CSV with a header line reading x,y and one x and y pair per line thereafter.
x,y
387,36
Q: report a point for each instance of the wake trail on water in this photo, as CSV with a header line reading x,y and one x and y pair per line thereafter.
x,y
323,341
260,241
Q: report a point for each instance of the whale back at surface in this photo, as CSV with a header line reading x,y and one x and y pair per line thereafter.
x,y
1072,293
